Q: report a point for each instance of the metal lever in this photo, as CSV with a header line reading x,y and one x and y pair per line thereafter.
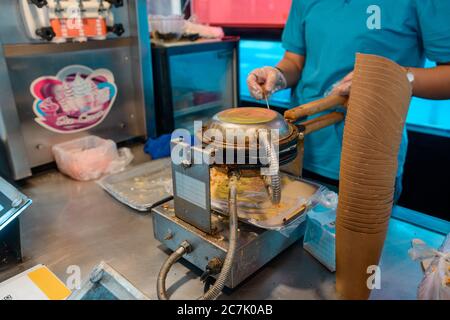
x,y
39,3
46,33
117,29
115,3
322,122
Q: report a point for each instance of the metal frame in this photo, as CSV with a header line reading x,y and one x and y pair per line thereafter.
x,y
12,204
191,186
142,51
162,81
116,284
14,158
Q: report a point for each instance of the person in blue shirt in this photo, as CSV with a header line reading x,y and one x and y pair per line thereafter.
x,y
322,37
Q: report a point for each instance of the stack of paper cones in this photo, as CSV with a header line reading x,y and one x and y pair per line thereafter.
x,y
377,110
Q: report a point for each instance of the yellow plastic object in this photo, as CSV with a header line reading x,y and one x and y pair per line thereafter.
x,y
49,284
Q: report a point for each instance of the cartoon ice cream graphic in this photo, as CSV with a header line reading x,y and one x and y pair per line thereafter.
x,y
49,107
77,99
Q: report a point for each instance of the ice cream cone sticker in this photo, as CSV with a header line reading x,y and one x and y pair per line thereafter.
x,y
76,99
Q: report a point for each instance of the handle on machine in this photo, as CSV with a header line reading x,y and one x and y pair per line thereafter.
x,y
39,3
116,3
315,107
322,122
117,29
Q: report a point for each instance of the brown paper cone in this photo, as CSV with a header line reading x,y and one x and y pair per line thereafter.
x,y
369,168
364,226
370,125
366,211
354,257
379,214
377,109
368,220
363,186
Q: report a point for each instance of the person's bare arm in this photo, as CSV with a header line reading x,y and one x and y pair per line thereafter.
x,y
432,83
429,83
292,66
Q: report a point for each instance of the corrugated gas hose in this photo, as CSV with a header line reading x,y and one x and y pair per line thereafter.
x,y
274,172
184,248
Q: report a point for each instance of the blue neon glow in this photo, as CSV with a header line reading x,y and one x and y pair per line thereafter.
x,y
424,115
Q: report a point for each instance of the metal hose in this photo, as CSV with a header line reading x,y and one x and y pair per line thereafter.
x,y
275,186
170,261
274,176
218,286
216,289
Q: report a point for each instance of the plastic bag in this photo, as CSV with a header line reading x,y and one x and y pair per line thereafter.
x,y
90,157
320,234
436,282
207,32
322,198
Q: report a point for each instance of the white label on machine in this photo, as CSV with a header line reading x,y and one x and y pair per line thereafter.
x,y
191,189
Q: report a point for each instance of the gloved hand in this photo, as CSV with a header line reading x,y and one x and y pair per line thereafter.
x,y
343,87
265,81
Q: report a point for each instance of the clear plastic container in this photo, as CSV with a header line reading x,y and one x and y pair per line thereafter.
x,y
167,28
90,157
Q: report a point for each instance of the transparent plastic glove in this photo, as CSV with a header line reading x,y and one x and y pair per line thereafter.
x,y
342,87
265,81
420,251
327,198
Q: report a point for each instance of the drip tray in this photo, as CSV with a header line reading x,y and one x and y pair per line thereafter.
x,y
141,187
254,205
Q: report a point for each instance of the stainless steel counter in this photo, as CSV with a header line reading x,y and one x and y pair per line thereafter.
x,y
77,223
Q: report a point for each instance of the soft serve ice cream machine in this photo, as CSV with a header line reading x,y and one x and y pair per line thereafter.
x,y
63,20
71,68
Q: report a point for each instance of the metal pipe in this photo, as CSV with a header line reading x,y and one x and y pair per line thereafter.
x,y
216,289
171,260
185,247
274,172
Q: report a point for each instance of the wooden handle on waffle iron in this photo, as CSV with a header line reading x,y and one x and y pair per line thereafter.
x,y
315,107
322,122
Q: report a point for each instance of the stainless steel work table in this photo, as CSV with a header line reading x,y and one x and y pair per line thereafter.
x,y
77,223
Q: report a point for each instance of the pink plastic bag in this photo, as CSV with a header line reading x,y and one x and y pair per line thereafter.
x,y
436,282
90,157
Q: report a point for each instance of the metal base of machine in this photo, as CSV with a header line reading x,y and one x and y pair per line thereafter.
x,y
256,246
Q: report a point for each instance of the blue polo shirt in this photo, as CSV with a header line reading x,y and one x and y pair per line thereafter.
x,y
330,32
